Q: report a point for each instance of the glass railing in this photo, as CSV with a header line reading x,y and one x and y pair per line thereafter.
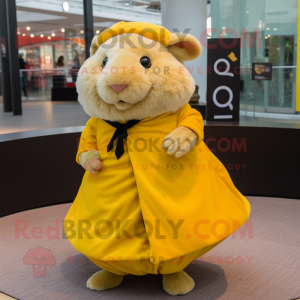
x,y
266,99
259,100
38,84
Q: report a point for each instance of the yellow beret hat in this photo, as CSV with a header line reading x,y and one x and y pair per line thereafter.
x,y
147,30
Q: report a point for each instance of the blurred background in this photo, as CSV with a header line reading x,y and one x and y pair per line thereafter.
x,y
52,47
52,40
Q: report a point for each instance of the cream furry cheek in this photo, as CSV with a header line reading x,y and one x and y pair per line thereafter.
x,y
133,83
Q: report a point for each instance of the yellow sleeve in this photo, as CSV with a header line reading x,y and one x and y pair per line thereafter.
x,y
88,139
192,119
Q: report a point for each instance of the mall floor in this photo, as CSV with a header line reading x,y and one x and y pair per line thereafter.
x,y
47,114
43,115
274,222
260,263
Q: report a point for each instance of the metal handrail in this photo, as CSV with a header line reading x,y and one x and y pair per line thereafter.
x,y
38,70
68,68
274,67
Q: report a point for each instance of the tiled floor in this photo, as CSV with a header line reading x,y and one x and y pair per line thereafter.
x,y
43,115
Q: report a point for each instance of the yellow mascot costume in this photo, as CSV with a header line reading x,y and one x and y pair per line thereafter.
x,y
153,197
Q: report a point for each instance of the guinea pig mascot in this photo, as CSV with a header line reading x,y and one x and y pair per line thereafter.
x,y
153,197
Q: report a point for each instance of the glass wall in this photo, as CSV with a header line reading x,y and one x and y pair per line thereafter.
x,y
51,45
268,32
51,38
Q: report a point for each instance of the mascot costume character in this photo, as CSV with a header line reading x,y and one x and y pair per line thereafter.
x,y
153,197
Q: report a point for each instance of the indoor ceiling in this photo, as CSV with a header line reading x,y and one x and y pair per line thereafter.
x,y
47,17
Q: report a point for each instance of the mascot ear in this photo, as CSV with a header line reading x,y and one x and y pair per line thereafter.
x,y
184,46
94,45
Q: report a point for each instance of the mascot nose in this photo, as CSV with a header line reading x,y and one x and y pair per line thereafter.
x,y
118,88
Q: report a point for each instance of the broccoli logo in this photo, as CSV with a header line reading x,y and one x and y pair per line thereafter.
x,y
39,258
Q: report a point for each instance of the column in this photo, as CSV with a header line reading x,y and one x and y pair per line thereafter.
x,y
6,91
179,15
13,57
88,25
298,65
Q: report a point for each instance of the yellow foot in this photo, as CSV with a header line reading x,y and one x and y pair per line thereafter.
x,y
104,280
178,283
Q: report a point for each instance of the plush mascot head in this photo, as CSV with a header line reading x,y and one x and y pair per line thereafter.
x,y
136,71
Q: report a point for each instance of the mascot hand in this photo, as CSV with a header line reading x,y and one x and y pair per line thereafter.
x,y
180,141
90,161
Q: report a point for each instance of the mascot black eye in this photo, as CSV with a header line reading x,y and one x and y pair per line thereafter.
x,y
104,62
146,62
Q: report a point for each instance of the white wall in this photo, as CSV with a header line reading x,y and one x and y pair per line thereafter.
x,y
189,14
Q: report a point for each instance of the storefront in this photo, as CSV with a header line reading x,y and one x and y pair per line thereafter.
x,y
269,31
51,37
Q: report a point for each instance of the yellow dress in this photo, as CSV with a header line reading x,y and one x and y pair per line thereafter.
x,y
150,212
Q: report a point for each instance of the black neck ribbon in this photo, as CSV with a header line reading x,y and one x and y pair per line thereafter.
x,y
120,134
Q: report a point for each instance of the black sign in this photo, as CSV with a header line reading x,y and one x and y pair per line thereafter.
x,y
223,80
262,71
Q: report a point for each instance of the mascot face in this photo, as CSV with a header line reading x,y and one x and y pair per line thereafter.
x,y
133,77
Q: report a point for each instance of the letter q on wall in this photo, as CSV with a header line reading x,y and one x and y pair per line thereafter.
x,y
223,78
225,73
228,103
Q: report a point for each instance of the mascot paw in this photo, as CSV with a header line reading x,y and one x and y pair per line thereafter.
x,y
180,141
178,283
91,162
93,165
104,280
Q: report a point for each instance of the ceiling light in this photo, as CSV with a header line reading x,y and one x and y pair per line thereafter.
x,y
268,28
53,34
247,12
66,6
63,30
275,28
24,34
18,32
41,35
49,37
32,35
97,31
81,31
28,28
